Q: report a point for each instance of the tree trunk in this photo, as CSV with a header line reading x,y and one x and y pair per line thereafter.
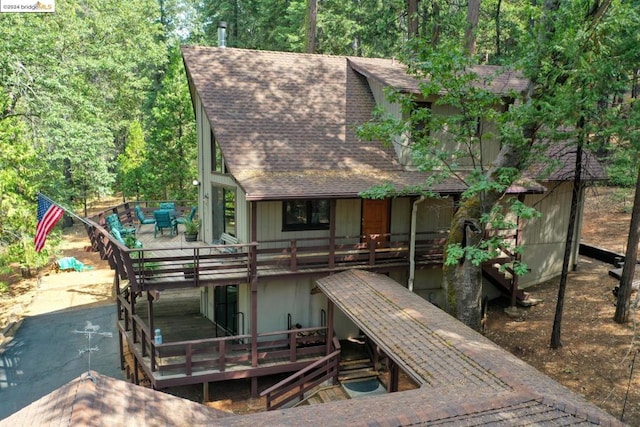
x,y
557,320
463,282
470,37
412,19
498,29
630,260
312,19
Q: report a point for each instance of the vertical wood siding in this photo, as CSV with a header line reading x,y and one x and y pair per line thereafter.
x,y
544,237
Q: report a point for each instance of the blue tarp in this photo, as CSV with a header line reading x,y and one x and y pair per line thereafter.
x,y
70,263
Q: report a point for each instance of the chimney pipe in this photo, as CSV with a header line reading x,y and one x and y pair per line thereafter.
x,y
222,34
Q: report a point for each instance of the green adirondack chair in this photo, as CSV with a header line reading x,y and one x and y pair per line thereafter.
x,y
143,219
114,224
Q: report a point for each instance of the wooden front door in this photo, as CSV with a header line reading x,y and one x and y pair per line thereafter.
x,y
375,219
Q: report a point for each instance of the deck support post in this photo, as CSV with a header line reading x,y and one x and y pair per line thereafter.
x,y
394,376
518,257
254,286
329,337
150,313
205,392
332,233
136,378
254,387
121,346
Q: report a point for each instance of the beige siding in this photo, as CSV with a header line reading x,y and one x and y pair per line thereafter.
x,y
487,152
434,215
279,298
204,133
400,143
401,215
544,237
270,222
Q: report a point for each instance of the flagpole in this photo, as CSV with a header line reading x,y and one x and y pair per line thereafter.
x,y
66,209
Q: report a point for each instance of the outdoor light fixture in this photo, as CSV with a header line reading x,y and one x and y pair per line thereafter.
x,y
196,182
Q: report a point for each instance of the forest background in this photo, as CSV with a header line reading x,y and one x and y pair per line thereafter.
x,y
94,98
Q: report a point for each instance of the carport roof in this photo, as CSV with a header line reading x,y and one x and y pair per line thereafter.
x,y
466,379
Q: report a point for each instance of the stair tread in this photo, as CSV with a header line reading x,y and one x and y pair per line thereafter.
x,y
357,375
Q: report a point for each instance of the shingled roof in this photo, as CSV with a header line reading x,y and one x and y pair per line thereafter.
x,y
98,400
392,73
286,122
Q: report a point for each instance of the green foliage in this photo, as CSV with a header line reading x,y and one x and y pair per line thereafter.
x,y
172,140
192,227
70,83
130,241
362,28
622,169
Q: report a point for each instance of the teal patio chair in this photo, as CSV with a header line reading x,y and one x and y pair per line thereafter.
x,y
164,220
188,218
114,224
143,219
169,206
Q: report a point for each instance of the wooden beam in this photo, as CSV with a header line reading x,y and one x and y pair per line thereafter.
x,y
254,287
330,311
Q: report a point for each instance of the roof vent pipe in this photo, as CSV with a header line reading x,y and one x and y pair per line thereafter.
x,y
222,34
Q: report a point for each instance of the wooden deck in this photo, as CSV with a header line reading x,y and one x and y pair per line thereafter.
x,y
192,350
168,261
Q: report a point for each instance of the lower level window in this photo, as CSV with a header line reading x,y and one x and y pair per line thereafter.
x,y
305,215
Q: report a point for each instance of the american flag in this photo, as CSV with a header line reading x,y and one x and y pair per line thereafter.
x,y
48,214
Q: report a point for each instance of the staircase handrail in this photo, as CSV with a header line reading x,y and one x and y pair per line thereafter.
x,y
289,384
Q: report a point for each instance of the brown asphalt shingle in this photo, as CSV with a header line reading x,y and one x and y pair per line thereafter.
x,y
275,112
393,73
286,122
106,401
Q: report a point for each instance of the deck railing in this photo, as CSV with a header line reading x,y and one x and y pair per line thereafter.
x,y
235,352
295,386
219,354
194,266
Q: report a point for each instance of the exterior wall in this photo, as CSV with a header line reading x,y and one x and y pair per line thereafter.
x,y
204,164
544,237
210,180
401,143
270,223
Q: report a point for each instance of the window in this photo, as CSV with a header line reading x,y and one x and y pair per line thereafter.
x,y
216,156
305,215
224,211
230,211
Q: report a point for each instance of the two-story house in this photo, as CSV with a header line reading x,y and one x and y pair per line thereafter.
x,y
280,164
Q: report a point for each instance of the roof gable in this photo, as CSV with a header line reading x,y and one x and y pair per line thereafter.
x,y
392,73
282,112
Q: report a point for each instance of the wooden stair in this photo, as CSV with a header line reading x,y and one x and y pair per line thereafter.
x,y
499,280
356,369
325,394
